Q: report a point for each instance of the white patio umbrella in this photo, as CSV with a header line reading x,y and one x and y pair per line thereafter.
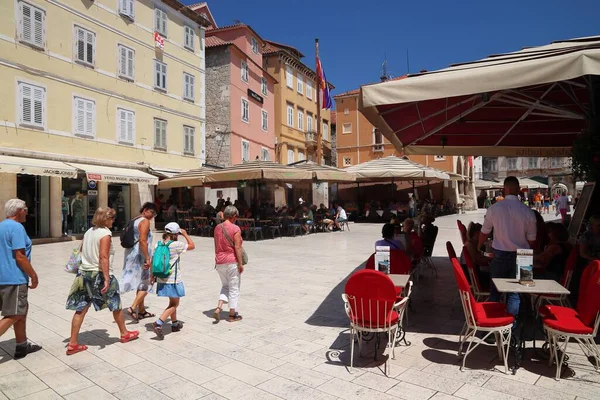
x,y
394,168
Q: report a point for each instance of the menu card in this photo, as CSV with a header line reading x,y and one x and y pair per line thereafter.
x,y
382,259
525,267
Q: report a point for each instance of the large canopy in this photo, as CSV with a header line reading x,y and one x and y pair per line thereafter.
x,y
394,168
483,184
527,183
193,177
532,102
325,173
258,170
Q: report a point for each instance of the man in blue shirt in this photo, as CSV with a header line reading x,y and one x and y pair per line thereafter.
x,y
15,273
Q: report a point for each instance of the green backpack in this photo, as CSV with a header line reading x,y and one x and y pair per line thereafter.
x,y
160,260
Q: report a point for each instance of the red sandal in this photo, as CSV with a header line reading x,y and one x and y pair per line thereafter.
x,y
129,336
75,348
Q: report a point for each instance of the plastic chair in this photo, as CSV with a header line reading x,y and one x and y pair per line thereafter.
x,y
490,317
463,231
476,286
565,281
581,324
371,304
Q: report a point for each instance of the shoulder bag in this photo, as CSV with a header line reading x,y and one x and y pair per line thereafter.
x,y
230,240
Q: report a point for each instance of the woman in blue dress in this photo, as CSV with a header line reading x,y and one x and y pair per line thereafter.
x,y
138,259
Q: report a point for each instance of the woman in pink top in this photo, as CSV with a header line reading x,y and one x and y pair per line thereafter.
x,y
228,260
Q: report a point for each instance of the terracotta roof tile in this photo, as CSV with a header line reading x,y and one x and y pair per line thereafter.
x,y
214,41
279,46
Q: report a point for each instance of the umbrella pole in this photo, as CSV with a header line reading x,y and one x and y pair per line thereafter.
x,y
393,189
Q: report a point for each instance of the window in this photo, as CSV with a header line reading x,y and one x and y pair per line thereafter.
x,y
346,111
511,163
309,90
533,162
32,105
290,156
300,120
126,8
85,45
290,115
301,156
188,86
126,64
254,44
309,123
125,125
289,77
244,69
264,154
555,162
300,84
32,25
245,150
439,158
85,117
263,86
377,140
160,21
188,37
188,140
160,134
490,164
245,111
347,128
160,75
347,161
265,121
325,131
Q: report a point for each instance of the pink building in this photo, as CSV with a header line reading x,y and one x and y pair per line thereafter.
x,y
240,100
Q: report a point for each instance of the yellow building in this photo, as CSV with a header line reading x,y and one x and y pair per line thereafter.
x,y
97,96
295,106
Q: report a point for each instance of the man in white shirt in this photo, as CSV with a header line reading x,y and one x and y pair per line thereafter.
x,y
563,205
340,216
514,227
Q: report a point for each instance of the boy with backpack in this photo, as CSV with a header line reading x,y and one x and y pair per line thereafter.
x,y
166,270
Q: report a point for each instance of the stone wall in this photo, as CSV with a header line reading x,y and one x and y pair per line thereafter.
x,y
334,146
218,109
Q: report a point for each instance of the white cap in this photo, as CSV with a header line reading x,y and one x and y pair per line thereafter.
x,y
172,227
300,200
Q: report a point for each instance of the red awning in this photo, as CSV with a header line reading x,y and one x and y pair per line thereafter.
x,y
529,103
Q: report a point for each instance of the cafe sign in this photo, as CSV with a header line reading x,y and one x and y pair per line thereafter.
x,y
255,96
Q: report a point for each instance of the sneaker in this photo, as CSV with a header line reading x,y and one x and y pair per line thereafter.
x,y
159,331
177,326
22,351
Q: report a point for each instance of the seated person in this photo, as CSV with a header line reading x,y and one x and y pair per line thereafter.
x,y
551,263
387,232
589,244
326,217
306,218
477,256
340,216
414,245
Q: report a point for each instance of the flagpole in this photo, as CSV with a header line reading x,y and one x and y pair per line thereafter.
x,y
319,138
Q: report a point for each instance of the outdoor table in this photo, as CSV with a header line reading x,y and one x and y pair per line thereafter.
x,y
541,287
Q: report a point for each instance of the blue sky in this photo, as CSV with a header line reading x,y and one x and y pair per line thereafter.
x,y
355,35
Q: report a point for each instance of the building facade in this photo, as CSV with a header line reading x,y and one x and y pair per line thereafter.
x,y
111,90
240,102
296,106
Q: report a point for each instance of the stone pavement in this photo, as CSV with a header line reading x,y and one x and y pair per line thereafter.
x,y
292,344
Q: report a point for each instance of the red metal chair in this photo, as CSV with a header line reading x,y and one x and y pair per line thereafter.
x,y
565,281
450,250
581,324
463,231
490,317
476,286
399,262
370,301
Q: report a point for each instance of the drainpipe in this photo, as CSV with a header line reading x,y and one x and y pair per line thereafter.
x,y
357,134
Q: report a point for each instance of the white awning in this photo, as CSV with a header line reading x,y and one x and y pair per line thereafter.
x,y
36,166
116,175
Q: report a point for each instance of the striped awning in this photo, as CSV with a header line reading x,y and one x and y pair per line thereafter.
x,y
325,173
194,177
258,170
36,166
395,168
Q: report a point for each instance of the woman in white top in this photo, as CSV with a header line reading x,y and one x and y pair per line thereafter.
x,y
95,283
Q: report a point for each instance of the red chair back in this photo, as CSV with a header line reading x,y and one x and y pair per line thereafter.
x,y
570,267
472,271
588,303
371,296
399,262
450,250
463,231
417,246
466,296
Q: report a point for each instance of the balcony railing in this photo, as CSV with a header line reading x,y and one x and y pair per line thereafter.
x,y
311,138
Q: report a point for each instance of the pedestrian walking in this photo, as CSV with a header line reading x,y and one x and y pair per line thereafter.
x,y
229,263
563,206
138,259
514,227
95,283
170,282
16,273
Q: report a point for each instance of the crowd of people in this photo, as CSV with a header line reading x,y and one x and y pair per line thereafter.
x,y
541,201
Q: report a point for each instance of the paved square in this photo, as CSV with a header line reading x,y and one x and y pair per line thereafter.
x,y
292,344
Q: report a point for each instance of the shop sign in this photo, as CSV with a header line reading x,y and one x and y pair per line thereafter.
x,y
92,184
120,179
255,96
93,192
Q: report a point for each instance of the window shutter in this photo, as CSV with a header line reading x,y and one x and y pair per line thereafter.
x,y
38,102
156,133
27,22
157,74
164,77
129,55
91,45
191,133
79,116
123,70
157,19
131,9
80,44
89,118
130,126
39,27
26,103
